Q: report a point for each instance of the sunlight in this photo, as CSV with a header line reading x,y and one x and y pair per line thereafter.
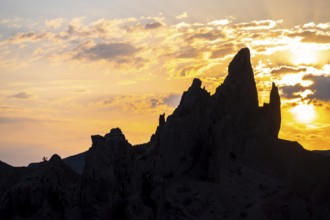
x,y
291,79
304,113
304,54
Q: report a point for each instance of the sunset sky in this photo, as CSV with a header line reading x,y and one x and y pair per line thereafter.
x,y
71,69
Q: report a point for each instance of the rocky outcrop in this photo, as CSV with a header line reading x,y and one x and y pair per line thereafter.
x,y
241,77
76,162
44,192
274,111
216,157
104,176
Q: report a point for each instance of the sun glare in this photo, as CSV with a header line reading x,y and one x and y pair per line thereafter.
x,y
304,55
291,79
304,113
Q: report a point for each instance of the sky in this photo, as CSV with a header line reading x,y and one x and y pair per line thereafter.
x,y
72,69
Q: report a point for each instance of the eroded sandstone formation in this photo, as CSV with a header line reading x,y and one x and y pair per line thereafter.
x,y
216,157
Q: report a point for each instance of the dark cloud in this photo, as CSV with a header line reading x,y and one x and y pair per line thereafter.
x,y
105,51
312,36
154,103
21,95
320,87
30,37
292,91
172,100
288,69
24,37
154,25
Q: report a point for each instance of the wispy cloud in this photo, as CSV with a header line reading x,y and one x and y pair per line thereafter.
x,y
140,103
288,69
22,95
105,51
258,25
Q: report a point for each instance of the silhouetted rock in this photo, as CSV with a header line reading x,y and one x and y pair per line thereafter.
x,y
216,157
106,176
76,162
44,192
9,176
240,82
274,111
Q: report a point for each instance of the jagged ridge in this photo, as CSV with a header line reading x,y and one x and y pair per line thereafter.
x,y
216,157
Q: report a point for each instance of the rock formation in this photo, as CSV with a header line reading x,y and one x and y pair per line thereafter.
x,y
216,157
45,192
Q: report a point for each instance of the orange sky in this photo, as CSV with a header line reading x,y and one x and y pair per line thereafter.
x,y
66,78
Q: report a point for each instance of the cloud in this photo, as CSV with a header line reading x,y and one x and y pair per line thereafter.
x,y
105,51
140,103
182,15
294,91
12,23
153,25
221,22
222,51
312,36
288,69
320,87
191,71
183,50
30,37
188,52
206,34
54,23
21,95
172,100
154,103
318,90
255,25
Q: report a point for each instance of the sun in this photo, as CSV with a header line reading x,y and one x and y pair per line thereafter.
x,y
304,113
304,54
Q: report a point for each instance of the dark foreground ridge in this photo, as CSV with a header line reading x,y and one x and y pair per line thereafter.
x,y
216,157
